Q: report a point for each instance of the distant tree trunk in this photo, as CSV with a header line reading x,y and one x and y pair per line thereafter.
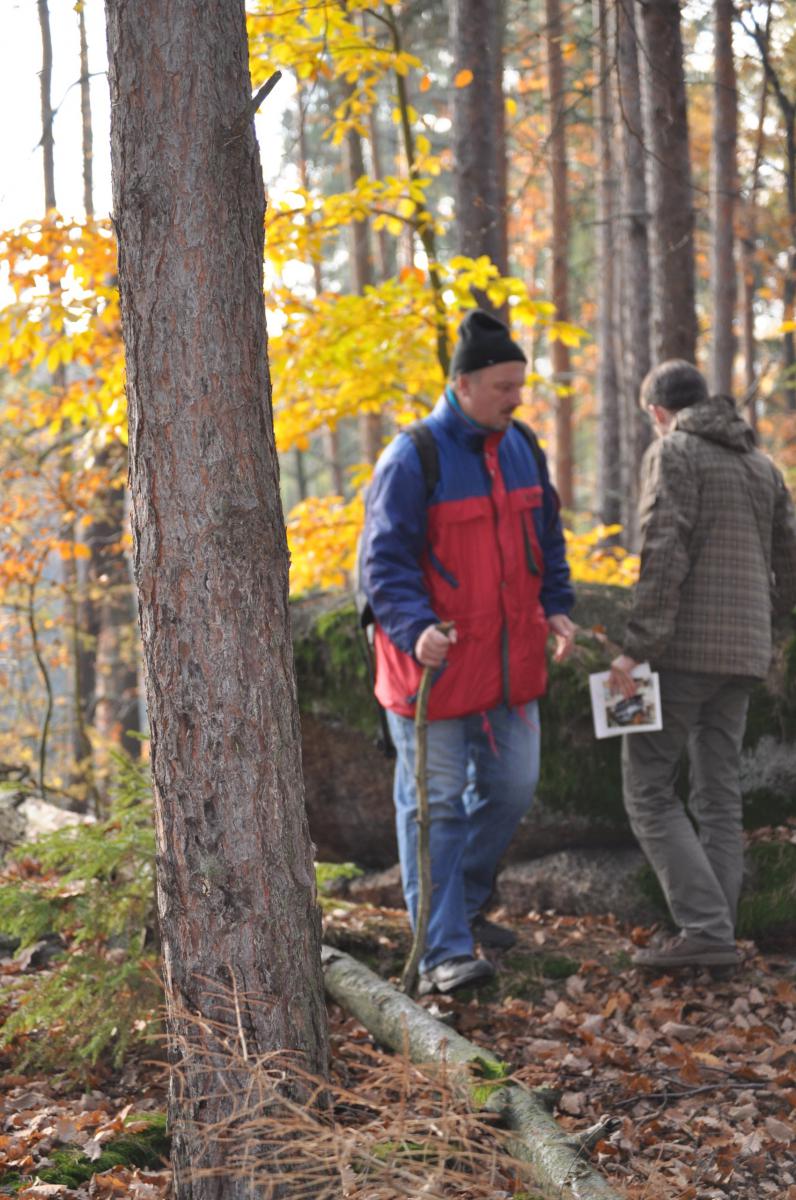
x,y
787,108
329,436
749,265
610,429
385,250
81,770
363,276
671,193
384,243
559,251
236,888
85,117
636,288
107,642
115,710
725,186
45,81
476,35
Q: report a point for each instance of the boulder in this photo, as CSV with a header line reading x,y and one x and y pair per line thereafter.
x,y
577,882
348,778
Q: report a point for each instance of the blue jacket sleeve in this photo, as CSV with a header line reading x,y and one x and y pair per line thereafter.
x,y
393,541
557,594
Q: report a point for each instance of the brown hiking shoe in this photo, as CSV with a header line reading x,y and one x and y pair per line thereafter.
x,y
684,950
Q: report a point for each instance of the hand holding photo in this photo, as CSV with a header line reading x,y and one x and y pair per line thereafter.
x,y
615,714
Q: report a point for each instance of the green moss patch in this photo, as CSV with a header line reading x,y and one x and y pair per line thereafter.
x,y
149,1149
767,910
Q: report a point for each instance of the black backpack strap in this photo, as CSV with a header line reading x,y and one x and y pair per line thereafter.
x,y
531,439
426,447
538,454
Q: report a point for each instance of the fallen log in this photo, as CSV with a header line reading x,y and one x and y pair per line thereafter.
x,y
557,1159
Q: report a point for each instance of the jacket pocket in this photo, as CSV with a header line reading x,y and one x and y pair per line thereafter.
x,y
524,501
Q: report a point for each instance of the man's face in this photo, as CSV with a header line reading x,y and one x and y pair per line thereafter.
x,y
490,396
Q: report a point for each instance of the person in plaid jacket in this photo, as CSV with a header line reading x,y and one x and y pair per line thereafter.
x,y
718,558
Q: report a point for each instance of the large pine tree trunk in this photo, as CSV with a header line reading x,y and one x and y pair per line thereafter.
x,y
724,191
478,134
671,193
236,889
559,251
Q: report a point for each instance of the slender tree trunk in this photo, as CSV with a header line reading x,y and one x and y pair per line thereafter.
x,y
476,34
116,716
385,250
749,265
671,193
636,286
46,104
236,888
559,252
80,746
787,107
363,276
331,441
789,290
610,428
423,222
106,643
724,192
85,116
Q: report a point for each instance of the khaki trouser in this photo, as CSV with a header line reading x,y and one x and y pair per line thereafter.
x,y
700,870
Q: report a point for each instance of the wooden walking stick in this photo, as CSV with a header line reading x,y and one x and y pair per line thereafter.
x,y
409,974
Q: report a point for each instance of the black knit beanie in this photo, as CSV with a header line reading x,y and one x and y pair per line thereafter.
x,y
482,342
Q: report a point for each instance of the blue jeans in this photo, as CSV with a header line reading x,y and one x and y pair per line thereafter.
x,y
482,772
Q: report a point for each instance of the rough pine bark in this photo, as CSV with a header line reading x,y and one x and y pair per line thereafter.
x,y
559,251
670,190
478,134
236,888
724,193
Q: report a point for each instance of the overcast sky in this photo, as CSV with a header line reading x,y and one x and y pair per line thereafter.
x,y
21,168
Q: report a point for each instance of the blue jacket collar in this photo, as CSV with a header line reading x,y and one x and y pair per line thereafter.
x,y
448,412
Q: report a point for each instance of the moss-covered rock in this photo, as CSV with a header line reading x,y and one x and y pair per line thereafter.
x,y
579,798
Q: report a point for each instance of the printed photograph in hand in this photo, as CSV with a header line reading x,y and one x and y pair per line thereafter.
x,y
615,714
624,711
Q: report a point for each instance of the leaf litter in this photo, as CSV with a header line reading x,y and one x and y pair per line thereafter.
x,y
700,1071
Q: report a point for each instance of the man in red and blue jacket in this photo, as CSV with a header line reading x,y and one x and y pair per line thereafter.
x,y
484,552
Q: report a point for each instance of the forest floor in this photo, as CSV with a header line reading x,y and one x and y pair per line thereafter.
x,y
701,1072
